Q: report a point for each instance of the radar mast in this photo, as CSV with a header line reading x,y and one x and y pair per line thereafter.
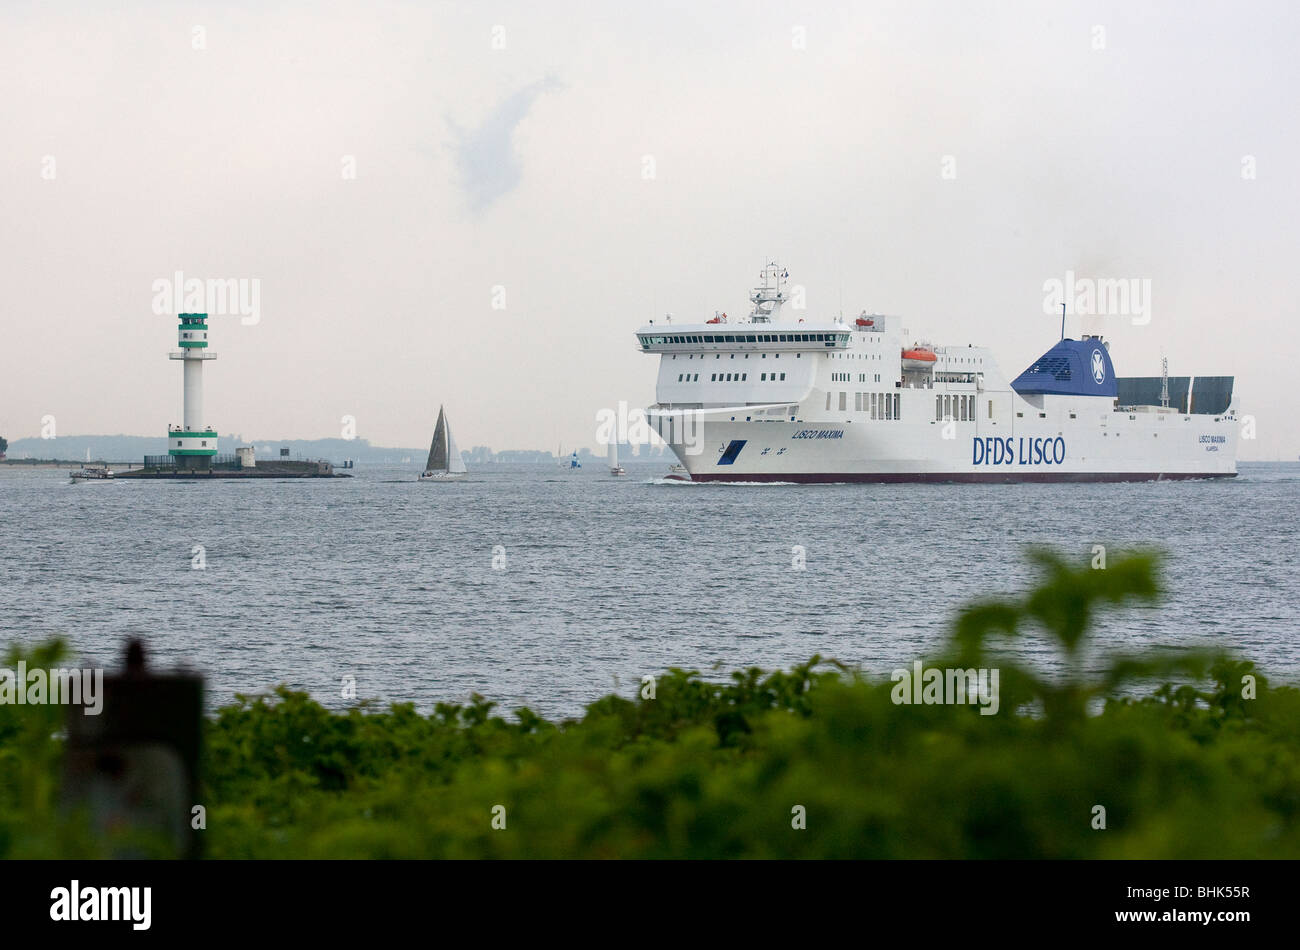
x,y
770,295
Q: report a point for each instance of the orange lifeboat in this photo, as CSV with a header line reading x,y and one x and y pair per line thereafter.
x,y
864,322
919,357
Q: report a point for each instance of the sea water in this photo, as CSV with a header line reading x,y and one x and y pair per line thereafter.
x,y
537,586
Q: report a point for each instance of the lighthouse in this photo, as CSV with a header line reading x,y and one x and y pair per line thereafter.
x,y
192,444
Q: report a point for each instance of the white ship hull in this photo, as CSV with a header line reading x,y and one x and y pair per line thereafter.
x,y
1121,449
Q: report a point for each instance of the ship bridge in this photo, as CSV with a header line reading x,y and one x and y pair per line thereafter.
x,y
763,330
704,337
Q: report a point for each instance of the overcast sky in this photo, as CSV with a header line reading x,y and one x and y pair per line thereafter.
x,y
387,172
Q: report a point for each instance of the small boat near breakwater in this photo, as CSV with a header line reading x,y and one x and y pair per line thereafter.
x,y
96,473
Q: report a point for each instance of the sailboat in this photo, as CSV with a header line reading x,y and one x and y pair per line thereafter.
x,y
445,462
571,462
614,467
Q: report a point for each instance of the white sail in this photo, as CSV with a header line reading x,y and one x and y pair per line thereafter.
x,y
455,464
613,454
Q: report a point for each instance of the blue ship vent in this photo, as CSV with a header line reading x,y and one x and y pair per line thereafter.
x,y
1070,368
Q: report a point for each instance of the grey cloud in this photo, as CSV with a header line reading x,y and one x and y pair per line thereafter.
x,y
488,163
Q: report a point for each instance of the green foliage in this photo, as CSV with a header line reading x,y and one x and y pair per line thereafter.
x,y
1191,755
31,825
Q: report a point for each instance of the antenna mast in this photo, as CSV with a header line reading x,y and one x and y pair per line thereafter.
x,y
768,298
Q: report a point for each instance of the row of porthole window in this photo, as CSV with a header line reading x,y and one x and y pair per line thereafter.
x,y
727,377
958,408
885,406
718,356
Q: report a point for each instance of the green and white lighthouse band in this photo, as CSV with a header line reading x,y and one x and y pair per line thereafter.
x,y
192,443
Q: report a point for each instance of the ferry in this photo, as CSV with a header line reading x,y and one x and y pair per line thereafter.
x,y
766,399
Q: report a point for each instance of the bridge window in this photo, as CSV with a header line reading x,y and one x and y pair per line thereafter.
x,y
783,376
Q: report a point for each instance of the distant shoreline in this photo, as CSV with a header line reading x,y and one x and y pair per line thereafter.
x,y
67,463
